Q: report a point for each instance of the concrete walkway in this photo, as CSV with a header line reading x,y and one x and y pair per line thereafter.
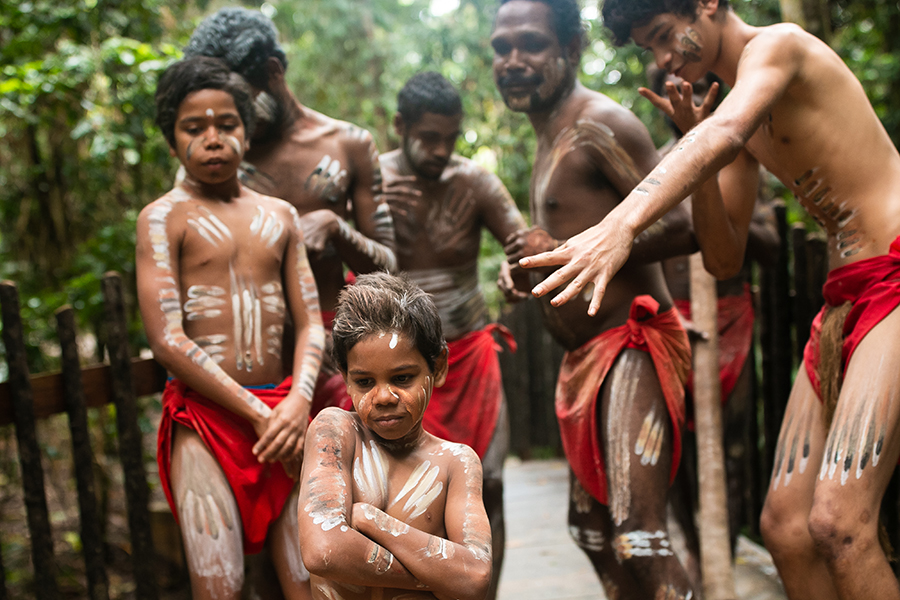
x,y
543,563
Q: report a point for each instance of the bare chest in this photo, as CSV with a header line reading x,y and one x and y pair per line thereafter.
x,y
413,491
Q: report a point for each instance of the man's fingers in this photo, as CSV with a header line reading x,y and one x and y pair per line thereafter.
x,y
551,258
710,98
656,100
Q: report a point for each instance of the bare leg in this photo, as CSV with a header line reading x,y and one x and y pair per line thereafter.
x,y
284,541
637,441
591,527
860,455
209,517
493,495
785,518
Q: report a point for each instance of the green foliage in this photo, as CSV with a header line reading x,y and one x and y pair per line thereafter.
x,y
80,154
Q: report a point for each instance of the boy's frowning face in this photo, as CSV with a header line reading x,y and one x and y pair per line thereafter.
x,y
390,383
209,136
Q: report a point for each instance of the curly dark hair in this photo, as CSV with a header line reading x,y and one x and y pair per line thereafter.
x,y
243,38
427,92
383,303
195,74
566,21
621,16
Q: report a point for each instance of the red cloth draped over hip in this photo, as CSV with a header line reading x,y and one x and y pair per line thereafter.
x,y
872,286
584,370
331,390
466,407
260,489
735,324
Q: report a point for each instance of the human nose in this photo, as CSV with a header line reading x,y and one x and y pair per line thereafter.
x,y
213,137
385,396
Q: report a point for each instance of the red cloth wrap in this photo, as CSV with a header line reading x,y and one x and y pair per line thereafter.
x,y
872,285
584,370
466,407
260,489
331,390
735,324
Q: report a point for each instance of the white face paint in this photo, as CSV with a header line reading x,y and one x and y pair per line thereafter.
x,y
393,342
210,113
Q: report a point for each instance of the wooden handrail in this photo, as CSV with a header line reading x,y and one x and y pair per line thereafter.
x,y
148,377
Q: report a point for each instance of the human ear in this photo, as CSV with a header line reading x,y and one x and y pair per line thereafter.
x,y
275,70
440,369
708,7
573,52
399,125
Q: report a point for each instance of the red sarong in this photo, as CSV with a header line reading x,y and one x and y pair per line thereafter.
x,y
584,370
331,389
260,489
872,285
735,324
466,407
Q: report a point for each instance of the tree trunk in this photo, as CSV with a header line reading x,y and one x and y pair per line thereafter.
x,y
715,548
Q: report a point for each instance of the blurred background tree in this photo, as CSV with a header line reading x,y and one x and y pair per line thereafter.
x,y
80,155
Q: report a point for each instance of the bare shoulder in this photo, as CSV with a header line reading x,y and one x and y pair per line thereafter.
x,y
779,42
163,207
352,136
339,427
461,459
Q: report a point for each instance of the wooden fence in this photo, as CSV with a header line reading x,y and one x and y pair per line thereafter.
x,y
23,399
787,296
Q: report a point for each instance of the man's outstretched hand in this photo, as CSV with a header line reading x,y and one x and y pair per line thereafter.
x,y
593,257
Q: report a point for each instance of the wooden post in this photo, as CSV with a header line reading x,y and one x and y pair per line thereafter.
x,y
715,547
137,492
82,456
776,339
29,452
514,368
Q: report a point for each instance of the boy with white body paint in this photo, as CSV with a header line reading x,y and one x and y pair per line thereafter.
x,y
388,510
219,268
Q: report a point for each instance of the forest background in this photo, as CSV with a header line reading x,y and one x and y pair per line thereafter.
x,y
80,155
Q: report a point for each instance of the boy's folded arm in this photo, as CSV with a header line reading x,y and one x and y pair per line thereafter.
x,y
332,549
456,567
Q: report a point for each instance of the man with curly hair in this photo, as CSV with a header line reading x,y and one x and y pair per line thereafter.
x,y
327,169
620,394
795,108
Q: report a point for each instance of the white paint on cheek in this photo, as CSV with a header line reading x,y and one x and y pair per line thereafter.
x,y
393,393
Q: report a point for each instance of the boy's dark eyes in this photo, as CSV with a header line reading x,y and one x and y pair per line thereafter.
x,y
403,378
362,382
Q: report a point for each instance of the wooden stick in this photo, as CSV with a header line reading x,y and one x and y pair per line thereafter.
x,y
715,548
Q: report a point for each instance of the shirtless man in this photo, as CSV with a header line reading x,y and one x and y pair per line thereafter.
x,y
735,318
388,510
620,416
327,169
797,109
441,202
219,269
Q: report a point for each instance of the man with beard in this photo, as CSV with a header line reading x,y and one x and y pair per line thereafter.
x,y
327,169
441,202
620,394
